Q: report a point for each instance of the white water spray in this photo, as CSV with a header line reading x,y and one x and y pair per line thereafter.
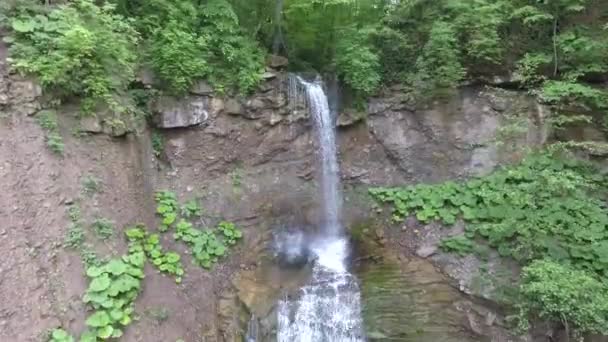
x,y
329,308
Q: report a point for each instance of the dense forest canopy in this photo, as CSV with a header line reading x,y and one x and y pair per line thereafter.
x,y
556,46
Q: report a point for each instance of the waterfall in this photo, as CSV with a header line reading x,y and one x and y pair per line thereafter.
x,y
329,307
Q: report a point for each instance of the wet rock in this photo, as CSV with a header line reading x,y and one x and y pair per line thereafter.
x,y
277,62
258,298
189,111
201,88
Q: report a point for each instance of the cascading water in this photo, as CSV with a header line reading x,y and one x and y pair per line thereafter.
x,y
329,307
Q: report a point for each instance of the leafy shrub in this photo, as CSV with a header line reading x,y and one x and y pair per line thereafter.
x,y
396,54
237,61
178,56
191,209
357,64
112,290
74,237
91,185
529,69
438,66
560,293
529,211
167,208
165,262
192,44
230,232
77,49
544,208
47,119
158,144
103,228
206,247
458,244
54,142
565,92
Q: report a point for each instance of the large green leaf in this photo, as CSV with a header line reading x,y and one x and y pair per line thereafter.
x,y
116,267
105,332
98,319
94,271
100,283
172,257
23,26
88,336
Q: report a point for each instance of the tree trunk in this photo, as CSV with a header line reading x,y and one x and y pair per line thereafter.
x,y
555,47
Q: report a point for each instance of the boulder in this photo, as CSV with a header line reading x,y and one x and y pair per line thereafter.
x,y
277,62
175,113
201,88
234,107
115,127
146,77
22,91
349,119
90,124
269,75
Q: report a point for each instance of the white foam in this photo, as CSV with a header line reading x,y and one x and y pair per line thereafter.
x,y
331,254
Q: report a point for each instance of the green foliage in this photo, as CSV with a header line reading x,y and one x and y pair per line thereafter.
x,y
530,68
334,36
193,41
47,119
75,235
60,335
230,232
236,176
178,56
529,211
564,92
460,245
77,48
103,228
545,207
206,247
159,314
357,63
438,67
166,209
112,290
557,292
168,262
91,185
158,144
191,209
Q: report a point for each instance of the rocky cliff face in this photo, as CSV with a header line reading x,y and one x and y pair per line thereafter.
x,y
250,160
